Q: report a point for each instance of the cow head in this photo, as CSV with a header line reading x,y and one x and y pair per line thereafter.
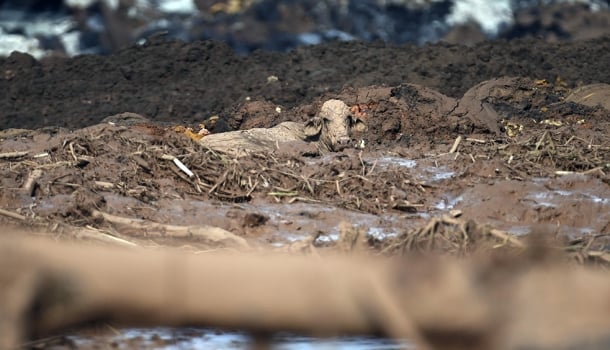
x,y
333,125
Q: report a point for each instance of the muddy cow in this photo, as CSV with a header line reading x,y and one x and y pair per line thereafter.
x,y
329,130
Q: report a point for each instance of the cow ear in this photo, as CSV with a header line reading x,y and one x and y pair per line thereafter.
x,y
358,125
313,127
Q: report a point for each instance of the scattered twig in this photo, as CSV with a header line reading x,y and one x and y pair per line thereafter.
x,y
251,189
104,184
338,188
475,140
41,155
10,214
71,147
89,232
13,155
43,343
284,194
31,182
179,164
594,170
303,199
219,182
507,237
602,255
456,144
153,229
308,184
372,168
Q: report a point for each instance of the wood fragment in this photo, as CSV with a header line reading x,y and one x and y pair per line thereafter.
x,y
71,147
372,168
503,235
475,140
136,227
308,184
303,199
31,182
456,213
219,182
594,170
456,144
605,256
13,155
179,164
283,194
98,235
104,184
41,155
252,189
183,167
12,215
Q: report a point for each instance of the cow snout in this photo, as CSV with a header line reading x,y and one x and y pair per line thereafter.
x,y
343,142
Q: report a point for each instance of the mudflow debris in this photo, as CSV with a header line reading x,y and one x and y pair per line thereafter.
x,y
471,216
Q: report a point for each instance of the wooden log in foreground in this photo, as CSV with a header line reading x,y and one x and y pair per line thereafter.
x,y
47,287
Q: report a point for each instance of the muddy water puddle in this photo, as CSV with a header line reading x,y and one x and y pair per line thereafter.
x,y
187,338
569,205
268,223
425,170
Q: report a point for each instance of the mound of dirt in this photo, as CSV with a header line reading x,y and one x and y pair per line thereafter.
x,y
177,82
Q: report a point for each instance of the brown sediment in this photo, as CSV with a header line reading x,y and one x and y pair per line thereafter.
x,y
508,180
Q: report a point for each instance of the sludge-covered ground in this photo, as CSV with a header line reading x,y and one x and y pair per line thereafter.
x,y
423,155
475,174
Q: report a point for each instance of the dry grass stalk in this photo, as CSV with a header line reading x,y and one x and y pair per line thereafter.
x,y
448,234
456,144
13,155
12,215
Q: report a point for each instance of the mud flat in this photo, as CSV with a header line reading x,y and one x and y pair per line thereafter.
x,y
503,172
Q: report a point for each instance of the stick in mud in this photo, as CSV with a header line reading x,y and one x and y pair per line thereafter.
x,y
29,186
12,215
152,229
456,144
13,155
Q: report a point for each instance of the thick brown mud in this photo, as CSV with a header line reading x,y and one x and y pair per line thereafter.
x,y
491,144
176,82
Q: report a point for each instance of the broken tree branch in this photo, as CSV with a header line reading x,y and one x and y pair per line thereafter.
x,y
153,229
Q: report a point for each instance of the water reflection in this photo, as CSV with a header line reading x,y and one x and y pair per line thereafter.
x,y
194,338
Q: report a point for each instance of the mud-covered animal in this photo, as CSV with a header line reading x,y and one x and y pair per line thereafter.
x,y
329,130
